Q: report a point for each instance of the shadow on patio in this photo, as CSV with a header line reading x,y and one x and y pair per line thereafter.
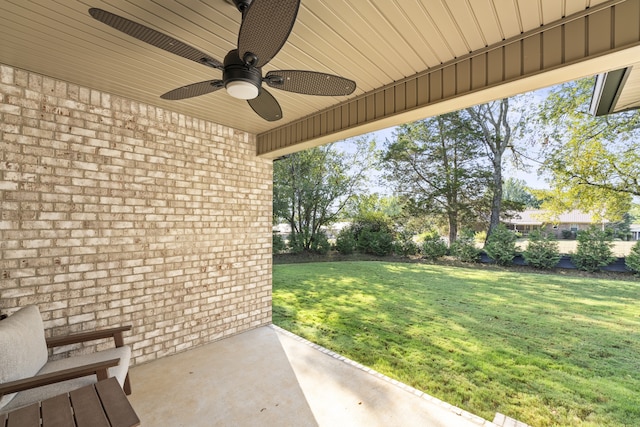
x,y
270,377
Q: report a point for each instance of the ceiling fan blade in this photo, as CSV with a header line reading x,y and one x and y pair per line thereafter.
x,y
266,106
195,89
153,37
310,82
266,25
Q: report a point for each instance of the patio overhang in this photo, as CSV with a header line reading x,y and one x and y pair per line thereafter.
x,y
587,43
409,60
616,91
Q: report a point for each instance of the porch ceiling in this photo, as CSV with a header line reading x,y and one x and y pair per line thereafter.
x,y
377,43
617,91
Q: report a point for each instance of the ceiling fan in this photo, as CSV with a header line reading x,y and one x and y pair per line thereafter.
x,y
266,25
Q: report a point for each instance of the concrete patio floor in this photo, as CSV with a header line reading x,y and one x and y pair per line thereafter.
x,y
270,377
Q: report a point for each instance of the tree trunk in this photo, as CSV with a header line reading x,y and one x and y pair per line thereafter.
x,y
492,119
496,200
453,228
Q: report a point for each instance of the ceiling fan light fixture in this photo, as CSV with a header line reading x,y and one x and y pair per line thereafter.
x,y
242,89
241,81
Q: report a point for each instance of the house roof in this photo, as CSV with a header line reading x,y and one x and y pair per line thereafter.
x,y
409,59
540,217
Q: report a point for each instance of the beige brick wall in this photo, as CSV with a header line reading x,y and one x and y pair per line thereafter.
x,y
116,212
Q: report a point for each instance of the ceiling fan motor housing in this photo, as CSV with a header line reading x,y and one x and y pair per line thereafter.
x,y
237,72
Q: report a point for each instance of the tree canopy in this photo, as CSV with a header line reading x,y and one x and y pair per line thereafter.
x,y
515,190
310,188
437,166
593,162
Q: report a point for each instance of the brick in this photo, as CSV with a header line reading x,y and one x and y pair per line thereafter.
x,y
123,210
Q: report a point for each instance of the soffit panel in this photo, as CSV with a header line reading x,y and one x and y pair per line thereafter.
x,y
485,14
552,9
374,42
518,65
630,95
530,13
509,20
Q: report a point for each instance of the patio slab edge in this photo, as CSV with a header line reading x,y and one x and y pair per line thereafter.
x,y
451,408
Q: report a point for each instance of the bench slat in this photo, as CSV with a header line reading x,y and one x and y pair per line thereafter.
x,y
117,407
56,412
27,416
87,408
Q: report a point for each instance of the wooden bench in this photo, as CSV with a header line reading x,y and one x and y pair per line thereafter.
x,y
102,404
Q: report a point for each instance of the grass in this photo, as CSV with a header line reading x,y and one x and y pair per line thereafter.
x,y
545,349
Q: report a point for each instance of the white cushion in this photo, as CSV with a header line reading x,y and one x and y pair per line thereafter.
x,y
23,347
32,395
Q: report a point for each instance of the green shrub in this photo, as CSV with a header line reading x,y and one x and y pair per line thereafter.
x,y
372,221
433,246
404,244
501,245
378,243
542,251
567,234
320,244
278,244
345,242
632,261
373,233
296,246
593,251
464,249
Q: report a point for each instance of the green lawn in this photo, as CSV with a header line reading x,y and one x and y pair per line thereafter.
x,y
545,349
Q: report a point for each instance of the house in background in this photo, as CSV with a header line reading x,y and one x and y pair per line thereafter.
x,y
535,219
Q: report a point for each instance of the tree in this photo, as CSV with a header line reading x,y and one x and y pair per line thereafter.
x,y
594,162
593,251
436,165
501,245
464,249
516,190
632,261
621,229
542,250
310,189
372,223
496,133
364,204
603,204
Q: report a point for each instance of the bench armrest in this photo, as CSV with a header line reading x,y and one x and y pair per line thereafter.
x,y
99,369
116,333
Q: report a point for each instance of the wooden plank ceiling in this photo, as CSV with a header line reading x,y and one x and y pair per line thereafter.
x,y
374,42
